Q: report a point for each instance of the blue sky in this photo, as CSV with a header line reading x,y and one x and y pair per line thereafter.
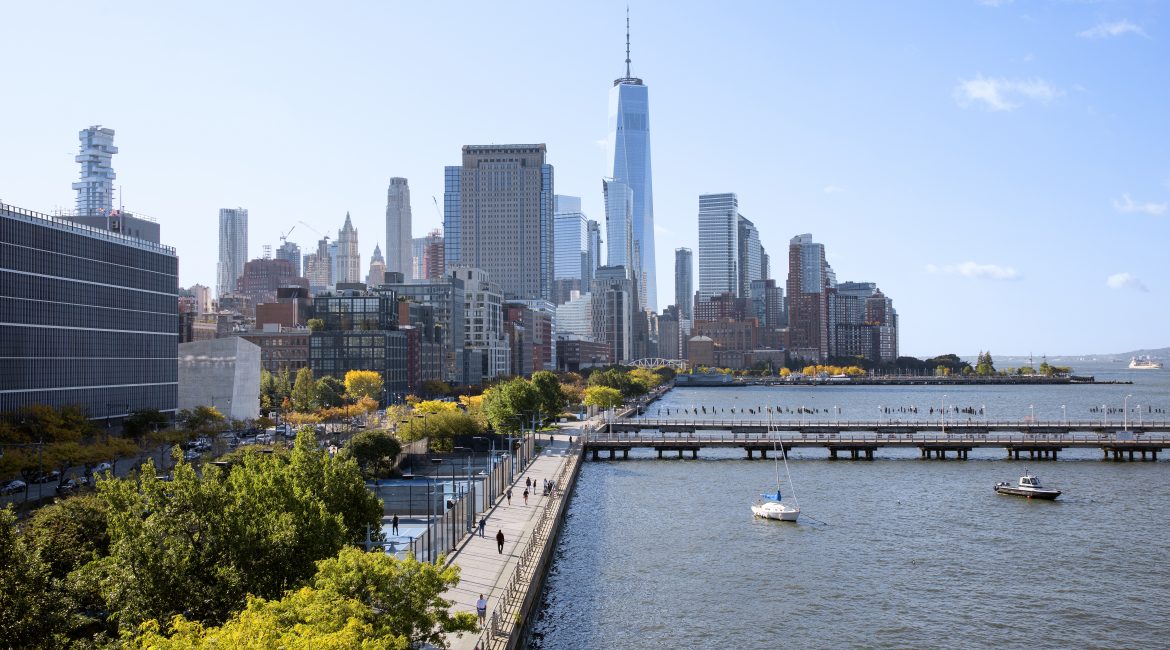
x,y
1000,169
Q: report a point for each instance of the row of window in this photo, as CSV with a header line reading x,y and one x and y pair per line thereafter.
x,y
84,317
31,260
37,342
24,374
99,402
56,239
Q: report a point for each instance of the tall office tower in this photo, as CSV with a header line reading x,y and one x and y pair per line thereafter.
x,y
718,245
571,248
810,282
452,217
377,273
629,128
684,283
291,252
503,223
334,276
418,248
349,257
319,268
233,249
95,190
615,300
864,322
619,226
765,264
593,251
751,256
87,317
433,251
398,224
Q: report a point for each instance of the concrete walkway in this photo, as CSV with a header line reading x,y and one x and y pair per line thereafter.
x,y
484,570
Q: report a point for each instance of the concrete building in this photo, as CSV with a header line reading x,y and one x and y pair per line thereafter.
x,y
224,373
87,317
483,318
503,223
202,295
233,249
864,323
629,141
377,272
447,300
810,282
718,245
399,256
684,287
670,342
349,258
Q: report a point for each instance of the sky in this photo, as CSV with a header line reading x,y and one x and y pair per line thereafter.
x,y
1000,169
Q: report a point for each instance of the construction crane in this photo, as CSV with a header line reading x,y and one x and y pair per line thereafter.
x,y
326,237
284,237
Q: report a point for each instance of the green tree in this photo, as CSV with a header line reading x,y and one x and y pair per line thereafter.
x,y
603,397
374,452
984,366
510,404
142,422
201,420
31,615
330,392
552,398
363,383
440,428
69,533
304,391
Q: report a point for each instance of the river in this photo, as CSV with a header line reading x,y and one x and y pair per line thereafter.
x,y
894,553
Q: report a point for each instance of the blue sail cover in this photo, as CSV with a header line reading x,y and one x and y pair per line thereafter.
x,y
772,497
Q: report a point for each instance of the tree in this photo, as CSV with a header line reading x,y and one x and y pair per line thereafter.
x,y
509,404
330,392
304,393
435,406
374,452
69,533
440,428
201,420
363,383
603,397
984,366
436,388
316,324
30,611
552,398
142,422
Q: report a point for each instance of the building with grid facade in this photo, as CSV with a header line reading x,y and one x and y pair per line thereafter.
x,y
87,317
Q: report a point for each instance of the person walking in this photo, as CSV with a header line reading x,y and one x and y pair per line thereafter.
x,y
525,496
482,523
394,525
509,495
528,482
481,609
500,542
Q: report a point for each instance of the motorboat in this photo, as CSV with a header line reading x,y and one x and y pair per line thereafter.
x,y
771,507
1028,486
1144,363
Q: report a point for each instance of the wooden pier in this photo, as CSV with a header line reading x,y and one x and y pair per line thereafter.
x,y
1034,440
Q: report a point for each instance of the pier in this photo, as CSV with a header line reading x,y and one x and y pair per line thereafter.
x,y
938,439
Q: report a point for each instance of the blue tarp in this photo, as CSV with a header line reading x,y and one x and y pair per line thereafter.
x,y
772,497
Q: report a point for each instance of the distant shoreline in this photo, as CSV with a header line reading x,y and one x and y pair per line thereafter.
x,y
684,381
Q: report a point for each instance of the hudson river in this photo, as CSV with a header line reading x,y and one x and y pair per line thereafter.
x,y
894,553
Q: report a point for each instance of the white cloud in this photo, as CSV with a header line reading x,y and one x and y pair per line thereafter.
x,y
995,3
1109,30
1128,205
659,230
1003,94
975,270
833,189
1119,281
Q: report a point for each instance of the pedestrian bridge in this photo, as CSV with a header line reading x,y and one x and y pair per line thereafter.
x,y
933,438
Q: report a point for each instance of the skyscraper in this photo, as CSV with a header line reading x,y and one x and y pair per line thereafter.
x,y
349,258
593,250
629,128
619,226
377,272
502,222
233,249
684,287
319,268
810,280
398,226
718,245
751,256
95,190
291,252
570,248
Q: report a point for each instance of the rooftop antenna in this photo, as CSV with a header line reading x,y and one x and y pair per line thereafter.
x,y
627,41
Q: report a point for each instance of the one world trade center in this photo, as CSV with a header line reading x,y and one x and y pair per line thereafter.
x,y
629,127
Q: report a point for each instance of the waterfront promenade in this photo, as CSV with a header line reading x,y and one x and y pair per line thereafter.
x,y
512,580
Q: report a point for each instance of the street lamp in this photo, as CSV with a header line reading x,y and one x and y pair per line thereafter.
x,y
1032,414
942,417
1125,413
1064,414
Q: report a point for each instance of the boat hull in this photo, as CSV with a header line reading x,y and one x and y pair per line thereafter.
x,y
1045,494
776,511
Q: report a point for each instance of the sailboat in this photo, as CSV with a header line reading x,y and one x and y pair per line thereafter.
x,y
770,506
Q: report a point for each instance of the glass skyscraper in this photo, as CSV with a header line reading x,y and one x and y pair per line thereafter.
x,y
684,292
233,249
718,245
95,190
629,128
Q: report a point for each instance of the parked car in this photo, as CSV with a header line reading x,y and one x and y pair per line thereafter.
x,y
102,467
70,486
13,487
48,477
192,455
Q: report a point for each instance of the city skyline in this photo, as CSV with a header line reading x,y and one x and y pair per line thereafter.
x,y
1007,159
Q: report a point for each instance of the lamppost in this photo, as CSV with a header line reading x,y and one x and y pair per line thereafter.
x,y
1125,413
1064,414
1138,408
942,416
1032,414
1104,415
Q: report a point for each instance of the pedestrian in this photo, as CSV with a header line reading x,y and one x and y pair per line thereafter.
x,y
500,542
528,482
525,496
482,523
481,609
509,495
394,525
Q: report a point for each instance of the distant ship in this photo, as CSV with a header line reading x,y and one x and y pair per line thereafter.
x,y
1145,363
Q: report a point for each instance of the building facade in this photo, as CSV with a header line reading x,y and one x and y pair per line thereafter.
x,y
810,282
319,268
619,226
398,227
377,273
571,248
360,333
233,248
718,244
292,253
483,318
87,317
222,373
505,217
751,256
684,287
349,257
262,279
95,190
